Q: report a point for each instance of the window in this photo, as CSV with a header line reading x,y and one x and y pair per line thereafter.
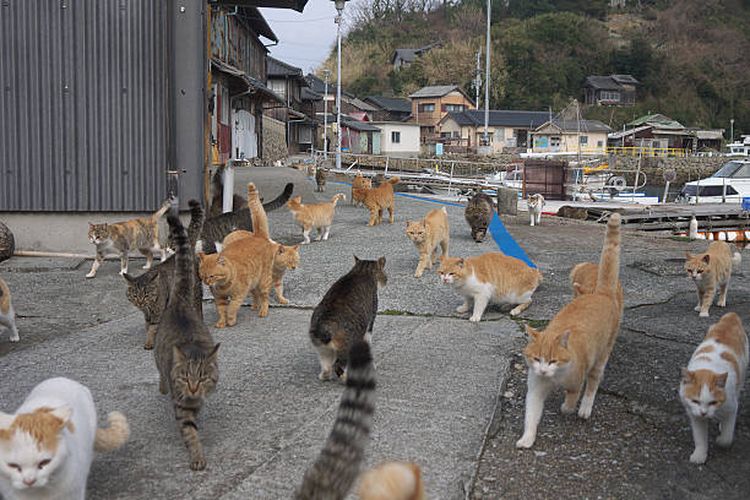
x,y
609,96
396,137
453,107
583,140
427,107
279,87
599,144
554,141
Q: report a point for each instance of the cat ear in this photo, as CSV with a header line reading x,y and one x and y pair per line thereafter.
x,y
687,375
64,413
297,246
280,250
688,256
460,263
442,258
177,355
356,259
532,333
221,260
707,258
211,358
6,420
128,278
381,262
721,380
201,255
578,289
564,339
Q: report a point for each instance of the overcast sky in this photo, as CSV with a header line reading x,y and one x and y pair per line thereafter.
x,y
305,39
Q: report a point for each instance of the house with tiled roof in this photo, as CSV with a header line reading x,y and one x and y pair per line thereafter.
x,y
561,135
389,108
430,104
612,90
507,129
289,83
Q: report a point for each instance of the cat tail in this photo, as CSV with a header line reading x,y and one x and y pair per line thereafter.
x,y
114,436
736,258
336,468
183,270
257,213
165,206
4,290
281,200
393,180
609,265
197,217
337,197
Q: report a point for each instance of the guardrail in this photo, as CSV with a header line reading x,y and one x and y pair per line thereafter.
x,y
645,152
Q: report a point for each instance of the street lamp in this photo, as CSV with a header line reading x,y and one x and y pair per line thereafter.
x,y
731,130
340,10
485,136
327,73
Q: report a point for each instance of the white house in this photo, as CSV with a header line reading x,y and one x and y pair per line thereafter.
x,y
398,138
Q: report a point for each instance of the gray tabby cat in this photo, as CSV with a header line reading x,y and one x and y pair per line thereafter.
x,y
320,179
478,214
149,291
216,228
331,476
7,243
185,353
346,314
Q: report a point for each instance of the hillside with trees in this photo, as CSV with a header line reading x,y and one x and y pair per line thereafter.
x,y
691,56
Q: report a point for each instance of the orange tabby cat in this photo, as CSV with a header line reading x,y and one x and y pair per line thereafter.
x,y
314,216
284,257
427,234
243,266
378,199
491,277
359,184
574,348
392,481
710,270
583,280
712,382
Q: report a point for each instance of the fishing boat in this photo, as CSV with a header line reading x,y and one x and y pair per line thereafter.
x,y
731,183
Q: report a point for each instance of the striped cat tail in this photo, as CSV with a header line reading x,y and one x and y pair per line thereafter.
x,y
183,270
609,264
281,200
197,216
337,466
257,213
165,206
113,436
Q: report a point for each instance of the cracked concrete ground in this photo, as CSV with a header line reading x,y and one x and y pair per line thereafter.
x,y
450,393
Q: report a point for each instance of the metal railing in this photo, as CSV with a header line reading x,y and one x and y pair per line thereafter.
x,y
646,152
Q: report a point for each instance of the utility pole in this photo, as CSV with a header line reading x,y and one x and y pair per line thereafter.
x,y
478,77
327,74
486,137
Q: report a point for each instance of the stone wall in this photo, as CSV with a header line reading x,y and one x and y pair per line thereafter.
x,y
274,140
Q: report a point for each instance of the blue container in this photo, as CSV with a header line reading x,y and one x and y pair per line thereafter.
x,y
746,203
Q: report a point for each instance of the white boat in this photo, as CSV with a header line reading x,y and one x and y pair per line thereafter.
x,y
740,148
731,183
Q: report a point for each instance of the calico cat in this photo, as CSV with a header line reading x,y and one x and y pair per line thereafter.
x,y
346,314
7,313
333,473
185,353
478,214
284,257
217,197
712,382
149,291
427,234
392,481
710,270
320,179
536,204
215,229
244,266
314,216
378,199
47,446
490,277
359,186
574,348
141,234
583,280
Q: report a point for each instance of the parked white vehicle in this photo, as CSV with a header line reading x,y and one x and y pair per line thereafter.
x,y
730,183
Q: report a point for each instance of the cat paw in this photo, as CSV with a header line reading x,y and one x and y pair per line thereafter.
x,y
567,410
263,313
198,463
15,339
418,274
703,314
146,266
475,319
220,324
525,441
698,457
283,300
462,309
91,274
148,345
697,308
584,412
721,304
232,322
724,441
324,375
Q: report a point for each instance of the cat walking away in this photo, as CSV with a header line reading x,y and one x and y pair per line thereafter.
x,y
427,234
7,313
491,277
536,204
314,216
48,444
333,473
141,234
709,271
712,382
478,214
184,351
574,348
346,314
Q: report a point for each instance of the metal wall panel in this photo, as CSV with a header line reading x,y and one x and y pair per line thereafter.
x,y
84,105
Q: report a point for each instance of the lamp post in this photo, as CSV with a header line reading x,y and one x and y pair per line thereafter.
x,y
327,74
731,130
486,138
340,10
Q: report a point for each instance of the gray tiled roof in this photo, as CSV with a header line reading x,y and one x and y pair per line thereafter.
x,y
280,68
501,118
611,82
583,125
397,104
435,91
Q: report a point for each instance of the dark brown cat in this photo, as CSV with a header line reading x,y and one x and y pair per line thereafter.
x,y
149,291
320,179
346,314
185,353
478,214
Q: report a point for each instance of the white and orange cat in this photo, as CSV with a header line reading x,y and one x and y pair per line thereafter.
x,y
574,348
427,234
392,481
710,271
48,444
7,313
712,382
314,216
490,277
